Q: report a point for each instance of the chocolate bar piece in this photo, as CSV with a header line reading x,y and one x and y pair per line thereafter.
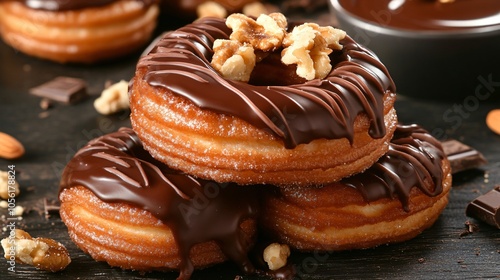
x,y
62,89
461,156
486,207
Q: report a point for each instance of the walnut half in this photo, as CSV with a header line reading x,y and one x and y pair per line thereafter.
x,y
43,253
233,60
265,33
308,46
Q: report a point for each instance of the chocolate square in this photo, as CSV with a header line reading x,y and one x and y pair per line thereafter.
x,y
486,207
62,89
461,156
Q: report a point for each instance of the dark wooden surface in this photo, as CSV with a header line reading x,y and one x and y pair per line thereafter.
x,y
52,137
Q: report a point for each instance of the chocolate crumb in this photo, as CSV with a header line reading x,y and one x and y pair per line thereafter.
x,y
477,251
50,207
46,104
469,228
43,115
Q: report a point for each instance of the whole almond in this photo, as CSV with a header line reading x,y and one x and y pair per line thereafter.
x,y
10,148
493,120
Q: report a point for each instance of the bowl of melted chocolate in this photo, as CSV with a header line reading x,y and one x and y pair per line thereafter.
x,y
440,49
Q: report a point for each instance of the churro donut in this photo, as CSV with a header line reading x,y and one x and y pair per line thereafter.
x,y
275,132
123,207
188,8
77,31
395,200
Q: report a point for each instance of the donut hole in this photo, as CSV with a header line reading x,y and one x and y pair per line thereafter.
x,y
270,71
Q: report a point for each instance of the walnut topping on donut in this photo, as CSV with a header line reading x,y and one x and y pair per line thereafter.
x,y
308,46
233,60
266,33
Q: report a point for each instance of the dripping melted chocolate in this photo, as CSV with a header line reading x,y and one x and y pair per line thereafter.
x,y
116,168
414,159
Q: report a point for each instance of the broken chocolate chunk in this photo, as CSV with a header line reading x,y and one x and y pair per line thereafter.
x,y
486,207
461,156
50,207
62,89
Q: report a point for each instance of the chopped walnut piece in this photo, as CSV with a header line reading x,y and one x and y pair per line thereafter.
x,y
308,46
266,33
211,9
254,9
17,211
113,99
276,255
43,253
6,188
233,60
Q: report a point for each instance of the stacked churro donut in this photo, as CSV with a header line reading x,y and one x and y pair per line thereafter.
x,y
77,31
307,133
392,201
318,163
191,9
122,206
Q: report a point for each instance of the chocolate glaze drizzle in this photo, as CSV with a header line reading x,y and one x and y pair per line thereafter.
x,y
116,168
65,5
414,159
297,113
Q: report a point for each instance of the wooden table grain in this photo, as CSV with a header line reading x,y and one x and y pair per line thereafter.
x,y
51,137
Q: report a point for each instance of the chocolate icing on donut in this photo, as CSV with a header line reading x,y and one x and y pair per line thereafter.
x,y
414,159
116,168
64,5
296,113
